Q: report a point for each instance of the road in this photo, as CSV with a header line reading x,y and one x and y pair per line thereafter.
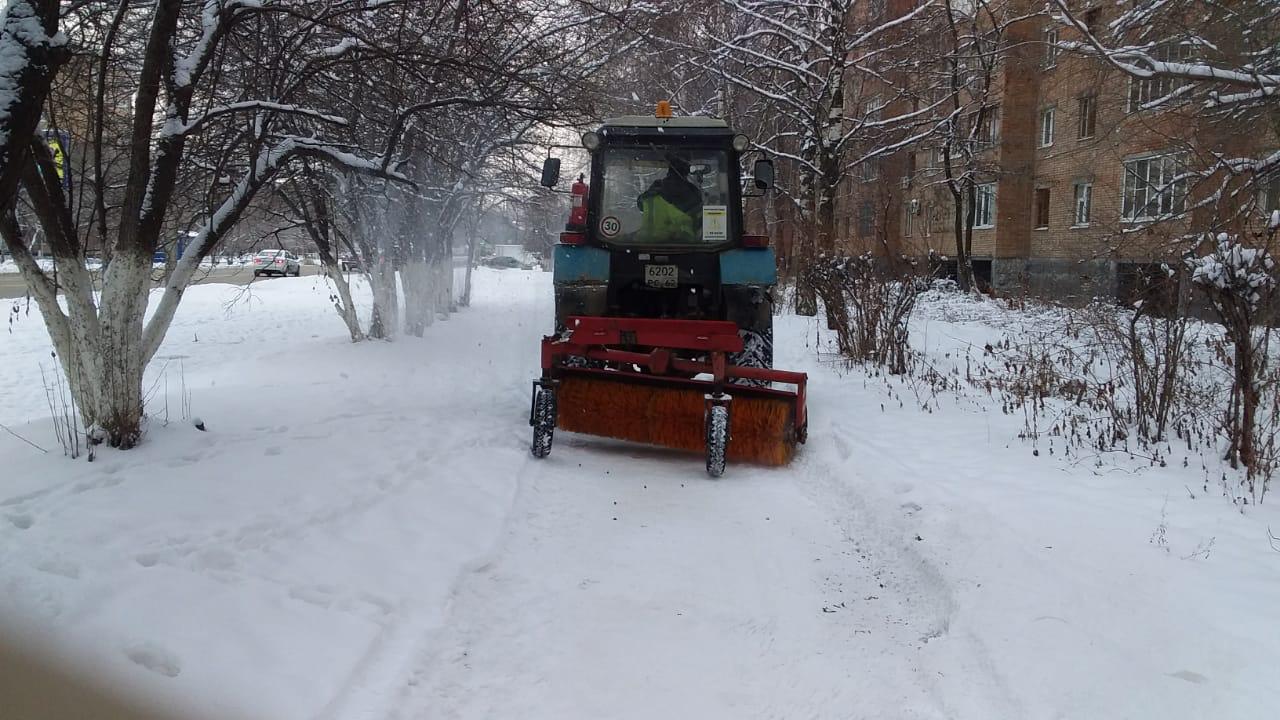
x,y
12,286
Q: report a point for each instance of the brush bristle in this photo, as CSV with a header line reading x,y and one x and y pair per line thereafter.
x,y
761,425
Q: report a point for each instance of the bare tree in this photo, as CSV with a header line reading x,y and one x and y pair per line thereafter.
x,y
970,120
826,73
207,106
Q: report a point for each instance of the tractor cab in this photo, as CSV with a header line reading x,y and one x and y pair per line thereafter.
x,y
657,229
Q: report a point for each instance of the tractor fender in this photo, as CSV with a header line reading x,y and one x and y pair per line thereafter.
x,y
748,266
580,264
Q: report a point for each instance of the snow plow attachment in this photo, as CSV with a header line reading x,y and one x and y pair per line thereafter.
x,y
666,383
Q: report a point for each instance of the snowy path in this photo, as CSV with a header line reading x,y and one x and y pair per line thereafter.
x,y
363,534
651,592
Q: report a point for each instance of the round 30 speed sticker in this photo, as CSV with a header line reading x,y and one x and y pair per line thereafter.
x,y
610,226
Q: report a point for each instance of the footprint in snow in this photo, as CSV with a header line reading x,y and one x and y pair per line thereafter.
x,y
22,521
154,658
272,451
97,483
63,568
147,559
318,595
1191,677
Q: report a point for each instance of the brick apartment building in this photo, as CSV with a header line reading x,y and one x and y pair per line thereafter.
x,y
1079,175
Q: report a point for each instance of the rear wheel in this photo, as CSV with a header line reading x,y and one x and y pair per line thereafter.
x,y
544,422
757,352
717,439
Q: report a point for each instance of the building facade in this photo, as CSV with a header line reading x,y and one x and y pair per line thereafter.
x,y
1082,182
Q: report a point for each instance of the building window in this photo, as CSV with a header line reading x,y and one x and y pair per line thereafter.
x,y
985,206
869,170
1269,194
936,159
1154,187
1051,47
1088,107
872,109
1143,91
1042,208
866,218
1046,127
1084,204
989,129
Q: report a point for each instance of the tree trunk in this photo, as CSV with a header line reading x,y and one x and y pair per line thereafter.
x,y
419,296
806,294
471,261
343,303
826,217
386,303
962,226
1248,395
444,284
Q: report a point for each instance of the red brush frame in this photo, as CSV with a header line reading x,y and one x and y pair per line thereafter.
x,y
591,338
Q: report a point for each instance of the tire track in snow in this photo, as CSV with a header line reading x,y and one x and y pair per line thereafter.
x,y
374,689
873,522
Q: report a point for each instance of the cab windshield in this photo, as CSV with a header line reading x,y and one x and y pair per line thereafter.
x,y
664,196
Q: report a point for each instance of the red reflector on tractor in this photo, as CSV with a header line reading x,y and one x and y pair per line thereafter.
x,y
573,238
755,241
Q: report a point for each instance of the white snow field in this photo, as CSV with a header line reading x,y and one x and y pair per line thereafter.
x,y
362,533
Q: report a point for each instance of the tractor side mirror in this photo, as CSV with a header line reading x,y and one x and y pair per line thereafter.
x,y
550,172
763,173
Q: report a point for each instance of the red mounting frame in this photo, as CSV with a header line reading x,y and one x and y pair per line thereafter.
x,y
597,338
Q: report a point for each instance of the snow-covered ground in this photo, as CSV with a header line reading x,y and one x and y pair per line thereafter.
x,y
7,265
361,533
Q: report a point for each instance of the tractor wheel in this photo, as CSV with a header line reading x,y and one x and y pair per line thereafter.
x,y
544,423
757,352
717,439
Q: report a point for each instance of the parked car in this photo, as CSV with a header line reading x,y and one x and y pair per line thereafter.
x,y
276,262
502,262
348,264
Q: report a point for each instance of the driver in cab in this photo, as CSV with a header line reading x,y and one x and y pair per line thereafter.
x,y
672,206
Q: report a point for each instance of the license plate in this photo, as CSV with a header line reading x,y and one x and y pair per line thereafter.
x,y
662,276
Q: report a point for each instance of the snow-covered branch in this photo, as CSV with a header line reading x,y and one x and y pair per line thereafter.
x,y
174,127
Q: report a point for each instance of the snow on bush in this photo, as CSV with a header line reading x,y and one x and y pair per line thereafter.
x,y
1233,268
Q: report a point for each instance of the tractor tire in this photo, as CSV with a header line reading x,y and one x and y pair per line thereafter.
x,y
757,352
544,423
717,439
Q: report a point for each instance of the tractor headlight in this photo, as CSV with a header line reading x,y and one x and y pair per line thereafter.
x,y
741,143
590,140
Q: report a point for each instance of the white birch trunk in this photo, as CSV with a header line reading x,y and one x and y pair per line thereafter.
x,y
442,268
386,303
419,297
342,304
